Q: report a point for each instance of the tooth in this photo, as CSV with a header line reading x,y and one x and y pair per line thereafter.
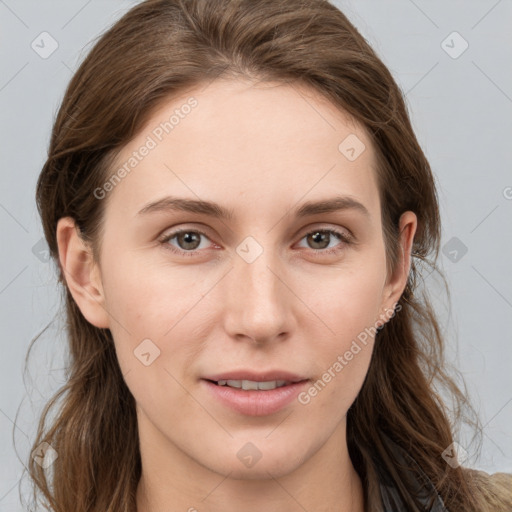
x,y
267,385
249,384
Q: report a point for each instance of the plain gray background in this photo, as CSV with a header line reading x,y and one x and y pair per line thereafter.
x,y
460,104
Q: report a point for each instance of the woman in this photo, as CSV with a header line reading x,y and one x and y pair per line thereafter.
x,y
239,209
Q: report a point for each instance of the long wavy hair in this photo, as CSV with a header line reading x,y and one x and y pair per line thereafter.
x,y
155,51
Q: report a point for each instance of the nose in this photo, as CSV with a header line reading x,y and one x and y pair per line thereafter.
x,y
259,302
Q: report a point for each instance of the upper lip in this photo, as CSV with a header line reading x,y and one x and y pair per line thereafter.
x,y
251,375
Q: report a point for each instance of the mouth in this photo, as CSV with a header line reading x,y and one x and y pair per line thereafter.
x,y
249,380
248,385
253,394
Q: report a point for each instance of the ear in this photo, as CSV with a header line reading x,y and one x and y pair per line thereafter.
x,y
81,273
397,281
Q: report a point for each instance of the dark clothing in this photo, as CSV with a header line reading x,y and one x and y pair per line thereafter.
x,y
417,482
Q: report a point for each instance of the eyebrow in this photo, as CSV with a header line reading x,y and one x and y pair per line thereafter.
x,y
212,209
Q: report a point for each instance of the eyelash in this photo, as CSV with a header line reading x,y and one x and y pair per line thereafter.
x,y
344,238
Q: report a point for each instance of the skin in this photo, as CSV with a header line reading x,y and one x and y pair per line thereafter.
x,y
260,150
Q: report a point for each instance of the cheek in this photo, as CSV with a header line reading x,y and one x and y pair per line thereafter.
x,y
150,306
148,296
351,299
350,307
152,300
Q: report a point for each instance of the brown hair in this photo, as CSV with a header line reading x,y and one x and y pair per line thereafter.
x,y
155,51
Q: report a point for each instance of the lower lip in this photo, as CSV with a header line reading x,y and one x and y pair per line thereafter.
x,y
256,402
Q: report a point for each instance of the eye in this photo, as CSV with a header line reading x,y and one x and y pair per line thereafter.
x,y
319,240
188,241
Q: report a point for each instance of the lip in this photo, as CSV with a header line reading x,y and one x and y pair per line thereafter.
x,y
255,402
256,377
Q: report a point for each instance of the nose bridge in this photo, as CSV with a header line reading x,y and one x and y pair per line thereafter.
x,y
258,306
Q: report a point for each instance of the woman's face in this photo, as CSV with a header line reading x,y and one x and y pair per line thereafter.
x,y
284,279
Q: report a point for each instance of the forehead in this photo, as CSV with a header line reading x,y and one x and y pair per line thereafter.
x,y
236,142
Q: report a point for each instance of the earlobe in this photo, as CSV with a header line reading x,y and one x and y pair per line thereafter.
x,y
81,273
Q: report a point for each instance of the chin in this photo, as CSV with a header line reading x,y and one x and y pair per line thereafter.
x,y
258,461
262,470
